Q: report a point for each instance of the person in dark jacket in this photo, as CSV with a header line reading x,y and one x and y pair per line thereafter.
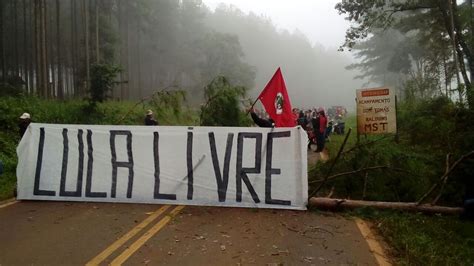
x,y
329,129
149,119
302,121
25,120
261,122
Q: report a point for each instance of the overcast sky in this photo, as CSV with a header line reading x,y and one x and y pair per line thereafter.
x,y
317,19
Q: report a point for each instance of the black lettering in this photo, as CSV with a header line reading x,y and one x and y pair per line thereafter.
x,y
269,171
156,156
222,180
375,127
383,126
128,164
189,162
90,163
368,128
80,169
39,161
241,173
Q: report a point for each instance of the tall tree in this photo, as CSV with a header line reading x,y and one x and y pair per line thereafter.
x,y
74,53
123,33
156,42
37,42
43,46
2,44
15,25
139,60
86,41
60,87
25,47
50,55
370,15
97,31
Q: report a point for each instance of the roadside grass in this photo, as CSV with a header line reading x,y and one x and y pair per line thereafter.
x,y
335,141
74,112
7,184
418,239
414,238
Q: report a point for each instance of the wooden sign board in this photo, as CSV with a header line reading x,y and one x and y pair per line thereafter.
x,y
376,111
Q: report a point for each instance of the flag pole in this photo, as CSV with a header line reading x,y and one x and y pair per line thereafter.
x,y
251,107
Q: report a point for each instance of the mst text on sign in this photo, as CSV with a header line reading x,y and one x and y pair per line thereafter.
x,y
376,113
216,166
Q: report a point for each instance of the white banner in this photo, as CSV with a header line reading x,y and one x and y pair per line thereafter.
x,y
213,166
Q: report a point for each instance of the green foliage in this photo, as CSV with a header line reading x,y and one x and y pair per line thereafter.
x,y
11,88
170,106
173,46
102,81
429,130
383,184
223,107
375,15
424,56
222,56
417,239
421,87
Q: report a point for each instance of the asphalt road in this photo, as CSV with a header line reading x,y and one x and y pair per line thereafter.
x,y
67,233
63,233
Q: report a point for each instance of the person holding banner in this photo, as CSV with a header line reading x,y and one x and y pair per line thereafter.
x,y
276,101
25,120
302,121
149,119
261,122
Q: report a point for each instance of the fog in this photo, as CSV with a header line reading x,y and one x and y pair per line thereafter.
x,y
52,46
302,37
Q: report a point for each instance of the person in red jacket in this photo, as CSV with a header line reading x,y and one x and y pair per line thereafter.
x,y
319,127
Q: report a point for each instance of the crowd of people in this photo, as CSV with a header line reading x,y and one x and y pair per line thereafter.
x,y
314,121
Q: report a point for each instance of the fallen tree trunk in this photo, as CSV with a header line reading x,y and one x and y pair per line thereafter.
x,y
338,204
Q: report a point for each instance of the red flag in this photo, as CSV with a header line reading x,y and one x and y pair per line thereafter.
x,y
276,101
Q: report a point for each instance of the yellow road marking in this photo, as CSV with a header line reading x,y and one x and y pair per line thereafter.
x,y
374,245
143,239
8,204
117,244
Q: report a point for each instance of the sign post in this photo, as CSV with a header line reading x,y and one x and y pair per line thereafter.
x,y
376,111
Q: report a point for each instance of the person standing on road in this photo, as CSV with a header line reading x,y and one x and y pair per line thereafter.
x,y
25,120
149,119
302,121
319,128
